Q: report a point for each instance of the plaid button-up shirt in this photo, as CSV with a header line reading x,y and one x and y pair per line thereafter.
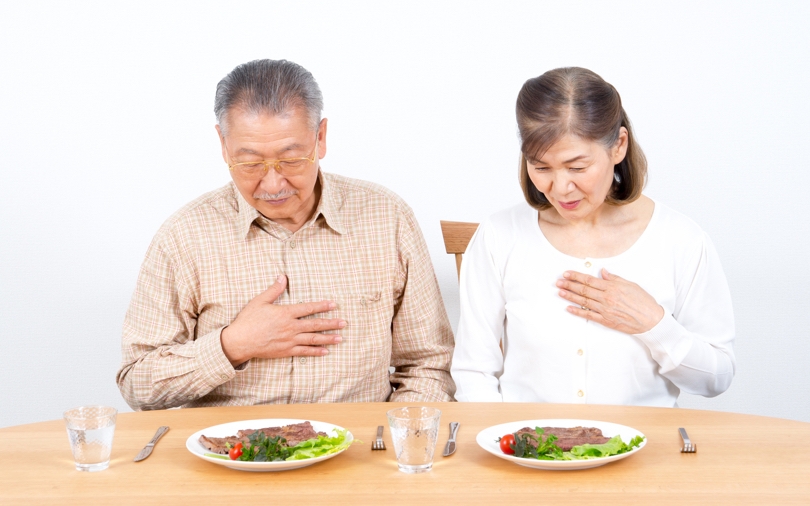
x,y
362,248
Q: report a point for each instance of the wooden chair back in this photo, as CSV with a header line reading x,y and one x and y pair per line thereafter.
x,y
457,235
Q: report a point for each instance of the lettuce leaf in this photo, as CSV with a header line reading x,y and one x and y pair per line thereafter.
x,y
529,446
615,446
320,446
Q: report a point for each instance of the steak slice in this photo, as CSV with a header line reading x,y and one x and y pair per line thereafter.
x,y
218,444
294,433
569,437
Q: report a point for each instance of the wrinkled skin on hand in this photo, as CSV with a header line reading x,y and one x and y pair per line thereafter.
x,y
264,329
611,301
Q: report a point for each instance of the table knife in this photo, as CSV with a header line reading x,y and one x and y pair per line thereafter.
x,y
147,450
450,448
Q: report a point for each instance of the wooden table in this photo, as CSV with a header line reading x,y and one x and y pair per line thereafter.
x,y
737,463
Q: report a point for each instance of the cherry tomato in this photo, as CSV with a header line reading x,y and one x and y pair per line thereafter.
x,y
506,441
236,451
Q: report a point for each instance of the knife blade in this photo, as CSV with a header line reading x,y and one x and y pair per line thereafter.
x,y
147,450
450,448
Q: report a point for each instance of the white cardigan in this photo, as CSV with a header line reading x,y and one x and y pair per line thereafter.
x,y
508,292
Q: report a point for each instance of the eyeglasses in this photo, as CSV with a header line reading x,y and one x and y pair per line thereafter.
x,y
285,166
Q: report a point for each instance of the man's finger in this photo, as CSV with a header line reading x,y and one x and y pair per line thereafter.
x,y
276,289
311,308
320,324
309,351
308,339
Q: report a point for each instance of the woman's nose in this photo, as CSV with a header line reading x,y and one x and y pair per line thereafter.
x,y
563,182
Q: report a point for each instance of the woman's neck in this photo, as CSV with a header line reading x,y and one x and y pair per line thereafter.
x,y
608,231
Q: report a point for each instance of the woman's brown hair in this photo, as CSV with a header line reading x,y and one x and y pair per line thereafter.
x,y
578,102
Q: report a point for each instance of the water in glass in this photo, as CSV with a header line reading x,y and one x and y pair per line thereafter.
x,y
90,431
414,432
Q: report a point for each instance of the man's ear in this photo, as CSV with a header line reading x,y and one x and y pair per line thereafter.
x,y
322,138
222,142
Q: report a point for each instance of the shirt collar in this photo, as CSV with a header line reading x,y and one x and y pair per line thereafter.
x,y
330,204
328,207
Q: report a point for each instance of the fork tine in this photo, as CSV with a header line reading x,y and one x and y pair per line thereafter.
x,y
688,445
378,443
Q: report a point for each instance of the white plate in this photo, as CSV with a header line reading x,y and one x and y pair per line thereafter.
x,y
487,439
230,429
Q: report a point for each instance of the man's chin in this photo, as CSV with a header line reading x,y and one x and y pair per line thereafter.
x,y
276,210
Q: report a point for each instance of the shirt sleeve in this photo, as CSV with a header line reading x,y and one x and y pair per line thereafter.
x,y
693,345
421,336
478,359
163,364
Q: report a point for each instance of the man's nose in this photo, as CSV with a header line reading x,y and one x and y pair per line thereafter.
x,y
272,181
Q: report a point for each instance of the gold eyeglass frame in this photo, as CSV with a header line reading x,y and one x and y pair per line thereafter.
x,y
277,163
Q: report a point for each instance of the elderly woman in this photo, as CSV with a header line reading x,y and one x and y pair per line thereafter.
x,y
597,293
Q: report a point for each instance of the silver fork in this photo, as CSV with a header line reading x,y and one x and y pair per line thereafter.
x,y
688,446
378,444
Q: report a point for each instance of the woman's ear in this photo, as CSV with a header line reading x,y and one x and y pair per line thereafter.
x,y
619,150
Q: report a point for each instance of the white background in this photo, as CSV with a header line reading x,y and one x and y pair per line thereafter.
x,y
107,128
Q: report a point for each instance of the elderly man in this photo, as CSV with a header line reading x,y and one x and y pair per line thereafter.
x,y
288,285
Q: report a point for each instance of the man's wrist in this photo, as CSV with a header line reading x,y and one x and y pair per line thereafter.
x,y
233,352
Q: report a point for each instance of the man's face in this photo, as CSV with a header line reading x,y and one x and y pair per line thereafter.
x,y
249,137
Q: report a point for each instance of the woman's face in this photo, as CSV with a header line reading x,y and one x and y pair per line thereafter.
x,y
575,174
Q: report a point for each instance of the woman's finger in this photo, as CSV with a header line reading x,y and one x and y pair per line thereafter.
x,y
576,298
578,288
609,276
585,279
596,315
584,313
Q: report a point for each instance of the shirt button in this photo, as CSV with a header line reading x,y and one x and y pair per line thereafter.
x,y
190,397
580,352
223,376
303,360
587,264
292,244
300,301
581,393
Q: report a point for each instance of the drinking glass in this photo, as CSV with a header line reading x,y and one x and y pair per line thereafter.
x,y
414,431
90,432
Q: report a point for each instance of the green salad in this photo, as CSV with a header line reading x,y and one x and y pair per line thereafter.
x,y
535,447
261,448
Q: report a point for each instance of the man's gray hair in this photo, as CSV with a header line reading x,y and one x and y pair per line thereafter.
x,y
268,86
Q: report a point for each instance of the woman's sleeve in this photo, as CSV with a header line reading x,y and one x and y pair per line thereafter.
x,y
693,346
477,359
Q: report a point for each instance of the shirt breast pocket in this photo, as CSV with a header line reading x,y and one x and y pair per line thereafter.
x,y
366,346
